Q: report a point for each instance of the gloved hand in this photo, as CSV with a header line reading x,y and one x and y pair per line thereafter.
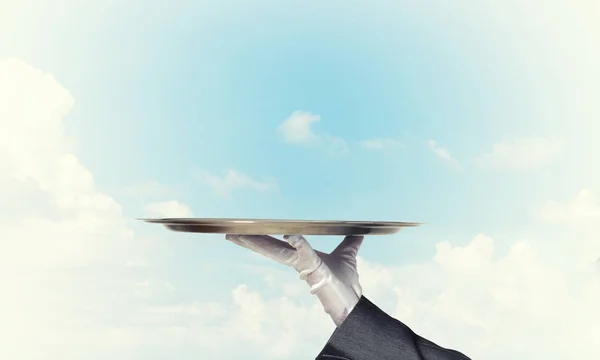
x,y
332,277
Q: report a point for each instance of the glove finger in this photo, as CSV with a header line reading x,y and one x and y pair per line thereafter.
x,y
299,243
267,246
234,239
349,247
308,260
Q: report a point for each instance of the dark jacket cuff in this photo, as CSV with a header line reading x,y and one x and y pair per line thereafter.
x,y
368,333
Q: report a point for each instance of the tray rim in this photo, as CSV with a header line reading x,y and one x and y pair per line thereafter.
x,y
259,221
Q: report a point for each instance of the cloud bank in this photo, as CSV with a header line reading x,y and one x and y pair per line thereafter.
x,y
521,154
75,282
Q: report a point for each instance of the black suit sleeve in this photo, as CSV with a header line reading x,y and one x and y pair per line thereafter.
x,y
368,333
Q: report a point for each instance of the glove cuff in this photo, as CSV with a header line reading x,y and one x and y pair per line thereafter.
x,y
337,298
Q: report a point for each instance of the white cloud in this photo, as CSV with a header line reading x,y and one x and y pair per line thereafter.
x,y
232,180
493,305
520,154
582,217
63,243
583,213
443,154
47,193
168,209
297,130
380,144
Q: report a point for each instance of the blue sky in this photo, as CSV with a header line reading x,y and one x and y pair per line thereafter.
x,y
175,95
180,92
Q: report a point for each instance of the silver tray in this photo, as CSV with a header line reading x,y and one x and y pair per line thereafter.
x,y
280,227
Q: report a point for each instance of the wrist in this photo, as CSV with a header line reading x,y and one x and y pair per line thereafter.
x,y
336,306
338,299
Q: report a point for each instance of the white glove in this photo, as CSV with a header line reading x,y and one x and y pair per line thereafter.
x,y
332,277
